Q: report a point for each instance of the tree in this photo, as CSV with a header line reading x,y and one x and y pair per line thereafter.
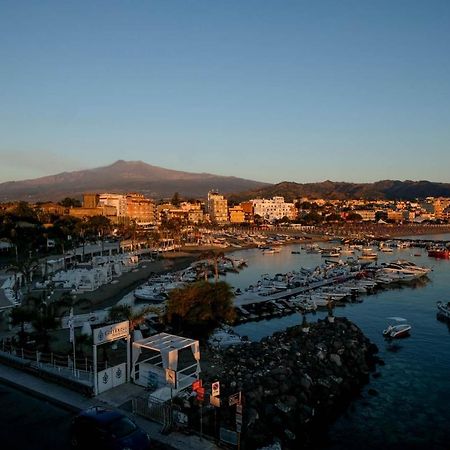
x,y
19,316
68,202
134,317
176,199
201,305
354,217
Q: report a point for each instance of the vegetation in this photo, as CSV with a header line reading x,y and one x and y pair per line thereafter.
x,y
200,307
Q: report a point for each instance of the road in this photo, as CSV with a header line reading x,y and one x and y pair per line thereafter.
x,y
27,422
32,423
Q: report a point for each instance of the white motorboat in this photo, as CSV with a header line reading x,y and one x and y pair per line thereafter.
x,y
400,330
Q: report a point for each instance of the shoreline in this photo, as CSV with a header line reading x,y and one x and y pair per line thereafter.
x,y
109,294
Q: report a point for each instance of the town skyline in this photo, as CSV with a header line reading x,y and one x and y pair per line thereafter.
x,y
305,92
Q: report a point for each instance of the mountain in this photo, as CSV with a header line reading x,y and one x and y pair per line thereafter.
x,y
380,190
121,177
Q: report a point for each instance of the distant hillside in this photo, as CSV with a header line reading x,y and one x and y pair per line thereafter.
x,y
380,190
121,177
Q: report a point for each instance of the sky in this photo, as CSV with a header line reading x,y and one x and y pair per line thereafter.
x,y
269,90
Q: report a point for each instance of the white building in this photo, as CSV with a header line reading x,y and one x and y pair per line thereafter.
x,y
119,201
273,209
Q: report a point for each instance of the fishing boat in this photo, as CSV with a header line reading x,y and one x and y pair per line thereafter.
x,y
397,331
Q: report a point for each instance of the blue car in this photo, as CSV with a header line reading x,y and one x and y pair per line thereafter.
x,y
105,429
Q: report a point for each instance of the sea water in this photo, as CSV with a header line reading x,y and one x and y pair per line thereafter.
x,y
410,406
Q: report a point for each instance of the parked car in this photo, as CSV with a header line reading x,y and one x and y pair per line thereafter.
x,y
106,429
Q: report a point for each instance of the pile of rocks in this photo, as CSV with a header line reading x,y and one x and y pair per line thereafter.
x,y
295,382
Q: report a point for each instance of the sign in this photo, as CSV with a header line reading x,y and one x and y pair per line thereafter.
x,y
234,399
171,378
238,408
215,389
110,333
238,427
239,419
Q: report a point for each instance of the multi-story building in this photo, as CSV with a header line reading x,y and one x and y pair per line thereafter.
x,y
217,207
236,214
140,209
273,209
249,215
119,201
366,214
90,200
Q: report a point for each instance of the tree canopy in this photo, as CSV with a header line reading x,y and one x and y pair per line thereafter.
x,y
201,306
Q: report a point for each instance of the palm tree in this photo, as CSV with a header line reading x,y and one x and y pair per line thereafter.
x,y
44,319
68,301
134,317
215,257
19,316
26,267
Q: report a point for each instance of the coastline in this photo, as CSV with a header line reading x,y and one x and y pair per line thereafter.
x,y
109,294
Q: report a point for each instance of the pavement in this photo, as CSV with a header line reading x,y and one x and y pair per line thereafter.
x,y
114,398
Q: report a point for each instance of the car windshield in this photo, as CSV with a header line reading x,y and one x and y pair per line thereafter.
x,y
122,426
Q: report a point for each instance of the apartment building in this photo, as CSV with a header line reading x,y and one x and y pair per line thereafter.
x,y
140,209
273,209
217,207
236,214
119,201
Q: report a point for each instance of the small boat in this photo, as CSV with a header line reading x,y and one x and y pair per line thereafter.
x,y
443,310
439,252
397,331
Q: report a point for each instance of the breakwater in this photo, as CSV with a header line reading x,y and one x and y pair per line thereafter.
x,y
295,382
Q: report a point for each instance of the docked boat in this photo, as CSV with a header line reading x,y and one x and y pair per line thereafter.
x,y
368,253
443,310
439,252
400,330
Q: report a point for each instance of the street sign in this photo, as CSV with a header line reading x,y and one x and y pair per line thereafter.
x,y
239,419
215,389
238,408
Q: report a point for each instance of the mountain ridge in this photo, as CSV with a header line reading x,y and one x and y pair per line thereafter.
x,y
158,182
123,176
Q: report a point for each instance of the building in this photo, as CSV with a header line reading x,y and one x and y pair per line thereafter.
x,y
217,207
119,201
140,209
236,214
273,209
90,200
367,215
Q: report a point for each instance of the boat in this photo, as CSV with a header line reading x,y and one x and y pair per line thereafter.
x,y
443,310
439,252
397,331
368,253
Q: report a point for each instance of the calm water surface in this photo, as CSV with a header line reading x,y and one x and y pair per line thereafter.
x,y
411,408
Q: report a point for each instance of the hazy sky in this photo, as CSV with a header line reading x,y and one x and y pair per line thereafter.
x,y
270,90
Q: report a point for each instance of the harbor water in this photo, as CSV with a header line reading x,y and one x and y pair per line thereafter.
x,y
407,405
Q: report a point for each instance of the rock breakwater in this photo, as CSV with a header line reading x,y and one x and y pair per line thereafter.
x,y
294,383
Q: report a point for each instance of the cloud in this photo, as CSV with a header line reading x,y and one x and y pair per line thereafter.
x,y
20,165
